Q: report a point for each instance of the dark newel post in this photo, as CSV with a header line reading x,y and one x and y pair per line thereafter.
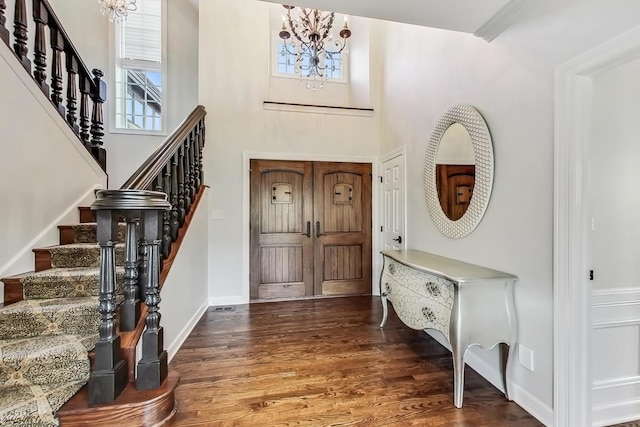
x,y
40,16
98,96
20,30
72,91
57,45
130,309
174,222
186,168
108,377
85,91
166,215
152,368
4,33
181,192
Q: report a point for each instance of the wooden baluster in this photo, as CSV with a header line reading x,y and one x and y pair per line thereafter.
x,y
4,33
192,165
85,93
40,16
174,220
201,163
130,309
182,196
188,196
72,91
57,44
152,368
98,96
166,216
20,31
196,156
108,377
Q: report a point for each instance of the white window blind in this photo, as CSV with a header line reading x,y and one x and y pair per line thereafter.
x,y
142,33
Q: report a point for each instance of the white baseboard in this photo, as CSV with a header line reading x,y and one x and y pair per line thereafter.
x,y
236,300
528,402
616,413
173,348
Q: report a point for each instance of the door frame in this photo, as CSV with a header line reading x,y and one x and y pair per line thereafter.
x,y
572,296
398,152
247,156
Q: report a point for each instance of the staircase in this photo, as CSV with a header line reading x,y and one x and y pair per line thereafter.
x,y
46,337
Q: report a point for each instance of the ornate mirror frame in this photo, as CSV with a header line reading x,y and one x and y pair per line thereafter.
x,y
474,123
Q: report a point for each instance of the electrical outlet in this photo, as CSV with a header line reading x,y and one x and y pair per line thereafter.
x,y
217,214
525,356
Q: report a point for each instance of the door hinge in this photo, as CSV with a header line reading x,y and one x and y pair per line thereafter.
x,y
380,179
590,274
381,230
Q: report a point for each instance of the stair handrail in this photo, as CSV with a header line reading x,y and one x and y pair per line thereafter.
x,y
143,177
87,125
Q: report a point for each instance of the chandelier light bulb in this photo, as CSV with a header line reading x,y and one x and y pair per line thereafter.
x,y
117,10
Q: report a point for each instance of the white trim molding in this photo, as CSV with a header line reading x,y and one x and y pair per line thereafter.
x,y
502,20
572,295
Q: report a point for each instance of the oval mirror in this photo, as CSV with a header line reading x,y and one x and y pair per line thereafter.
x,y
455,171
458,174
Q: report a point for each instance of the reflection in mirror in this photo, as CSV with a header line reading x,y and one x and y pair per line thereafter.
x,y
455,171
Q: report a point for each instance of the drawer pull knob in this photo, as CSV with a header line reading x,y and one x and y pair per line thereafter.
x,y
433,289
428,314
388,288
392,268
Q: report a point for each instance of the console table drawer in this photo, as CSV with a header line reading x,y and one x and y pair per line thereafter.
x,y
433,287
415,310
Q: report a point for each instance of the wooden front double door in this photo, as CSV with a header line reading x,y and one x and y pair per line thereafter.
x,y
310,229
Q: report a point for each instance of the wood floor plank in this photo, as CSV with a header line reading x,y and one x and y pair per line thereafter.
x,y
325,362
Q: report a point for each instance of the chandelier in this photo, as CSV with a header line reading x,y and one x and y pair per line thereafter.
x,y
314,48
117,10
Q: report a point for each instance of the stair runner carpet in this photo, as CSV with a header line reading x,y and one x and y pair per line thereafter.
x,y
46,338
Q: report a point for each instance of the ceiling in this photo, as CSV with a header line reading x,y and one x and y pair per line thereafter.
x,y
484,18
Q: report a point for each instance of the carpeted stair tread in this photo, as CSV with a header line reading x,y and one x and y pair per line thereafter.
x,y
86,233
80,255
54,359
65,282
59,316
35,406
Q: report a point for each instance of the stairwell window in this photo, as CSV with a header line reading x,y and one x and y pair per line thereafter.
x,y
333,64
140,70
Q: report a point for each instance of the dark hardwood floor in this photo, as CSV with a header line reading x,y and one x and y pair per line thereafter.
x,y
325,362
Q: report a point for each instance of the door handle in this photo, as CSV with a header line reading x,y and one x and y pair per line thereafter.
x,y
308,233
318,233
399,240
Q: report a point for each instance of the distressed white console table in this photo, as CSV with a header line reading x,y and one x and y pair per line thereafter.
x,y
468,304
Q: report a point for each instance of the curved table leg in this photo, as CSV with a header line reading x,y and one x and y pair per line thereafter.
x,y
385,310
458,353
507,353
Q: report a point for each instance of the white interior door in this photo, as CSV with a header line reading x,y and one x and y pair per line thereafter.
x,y
393,202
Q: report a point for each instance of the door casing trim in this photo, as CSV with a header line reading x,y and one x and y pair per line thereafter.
x,y
247,156
572,296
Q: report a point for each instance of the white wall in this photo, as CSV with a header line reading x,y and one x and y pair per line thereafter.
x,y
39,157
188,277
510,81
234,83
126,152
